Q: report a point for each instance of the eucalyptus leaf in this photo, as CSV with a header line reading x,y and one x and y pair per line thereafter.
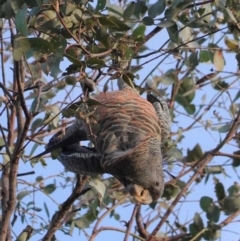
x,y
129,11
205,203
156,9
50,188
98,187
22,194
100,5
21,20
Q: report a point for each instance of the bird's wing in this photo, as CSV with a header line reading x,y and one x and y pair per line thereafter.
x,y
73,134
81,159
162,111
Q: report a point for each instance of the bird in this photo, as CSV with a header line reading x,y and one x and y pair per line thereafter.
x,y
127,132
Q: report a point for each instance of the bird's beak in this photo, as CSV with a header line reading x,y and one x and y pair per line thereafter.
x,y
139,194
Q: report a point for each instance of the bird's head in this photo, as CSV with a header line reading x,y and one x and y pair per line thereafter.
x,y
140,171
145,195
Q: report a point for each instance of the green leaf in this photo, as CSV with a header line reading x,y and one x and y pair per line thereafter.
x,y
34,12
46,209
68,113
213,213
205,203
195,154
38,105
231,205
25,234
214,169
190,109
204,56
39,179
2,142
236,160
22,194
148,21
198,221
21,46
100,5
170,191
153,205
218,60
220,191
129,11
140,9
156,9
173,33
35,146
194,231
75,61
193,60
168,78
50,188
128,54
237,96
186,94
87,219
220,85
174,154
92,102
166,24
212,235
21,20
234,190
181,184
225,128
41,45
59,44
115,9
128,78
36,124
98,187
238,59
54,111
138,33
37,209
113,23
95,63
116,216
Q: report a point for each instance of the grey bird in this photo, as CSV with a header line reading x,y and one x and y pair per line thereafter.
x,y
127,132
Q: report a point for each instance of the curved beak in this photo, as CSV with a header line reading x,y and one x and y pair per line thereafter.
x,y
139,194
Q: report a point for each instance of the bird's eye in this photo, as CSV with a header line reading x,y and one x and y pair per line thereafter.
x,y
157,183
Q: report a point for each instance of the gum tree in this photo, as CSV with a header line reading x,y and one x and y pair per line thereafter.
x,y
55,52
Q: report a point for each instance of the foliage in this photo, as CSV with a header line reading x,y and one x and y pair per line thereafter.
x,y
54,52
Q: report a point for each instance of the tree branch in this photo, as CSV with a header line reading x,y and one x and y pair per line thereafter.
x,y
95,230
58,220
130,223
200,165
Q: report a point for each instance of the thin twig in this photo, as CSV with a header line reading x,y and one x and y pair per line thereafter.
x,y
6,92
5,141
57,222
229,219
95,230
140,228
25,173
130,223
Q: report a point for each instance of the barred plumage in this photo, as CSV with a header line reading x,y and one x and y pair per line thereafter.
x,y
127,144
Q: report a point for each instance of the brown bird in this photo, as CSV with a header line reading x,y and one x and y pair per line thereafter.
x,y
127,132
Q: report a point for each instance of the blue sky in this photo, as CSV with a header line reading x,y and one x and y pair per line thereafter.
x,y
207,139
